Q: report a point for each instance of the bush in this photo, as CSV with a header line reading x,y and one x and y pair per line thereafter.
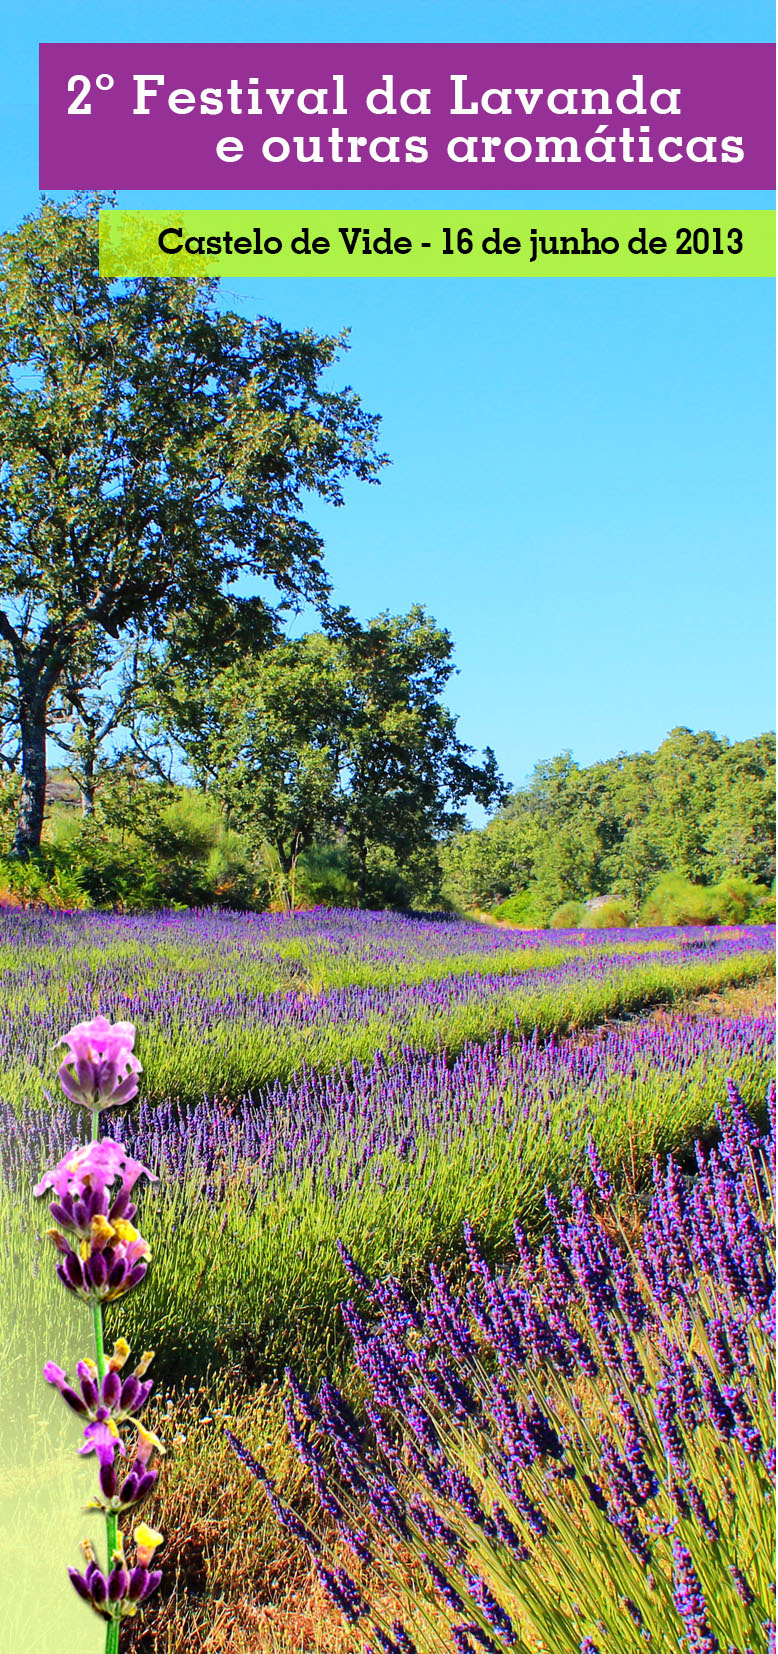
x,y
608,915
567,916
738,900
765,909
323,878
676,901
169,852
520,909
733,901
113,875
44,880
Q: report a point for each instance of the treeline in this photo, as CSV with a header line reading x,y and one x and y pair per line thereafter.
x,y
325,769
682,835
697,812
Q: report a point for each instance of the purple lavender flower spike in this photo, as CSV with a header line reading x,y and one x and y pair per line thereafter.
x,y
742,1587
491,1609
442,1584
461,1634
343,1592
691,1603
601,1178
357,1274
745,1429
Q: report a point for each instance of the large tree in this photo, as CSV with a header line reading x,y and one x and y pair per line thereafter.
x,y
154,447
409,775
94,700
341,731
270,744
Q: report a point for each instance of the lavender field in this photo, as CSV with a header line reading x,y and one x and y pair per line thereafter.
x,y
340,1086
229,1003
361,1078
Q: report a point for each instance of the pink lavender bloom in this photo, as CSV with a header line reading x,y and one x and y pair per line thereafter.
x,y
691,1604
112,1256
100,1069
91,1170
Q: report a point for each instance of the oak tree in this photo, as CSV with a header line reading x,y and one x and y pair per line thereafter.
x,y
154,447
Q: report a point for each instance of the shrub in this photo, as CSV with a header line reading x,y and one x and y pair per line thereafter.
x,y
765,909
609,915
323,878
733,901
738,900
676,901
567,916
113,875
519,909
179,855
44,880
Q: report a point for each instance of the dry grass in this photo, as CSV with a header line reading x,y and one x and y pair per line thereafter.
x,y
750,999
232,1579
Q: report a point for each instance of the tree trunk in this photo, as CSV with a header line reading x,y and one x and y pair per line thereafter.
x,y
362,871
286,865
29,824
87,783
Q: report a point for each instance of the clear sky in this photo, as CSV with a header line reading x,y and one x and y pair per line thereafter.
x,y
581,486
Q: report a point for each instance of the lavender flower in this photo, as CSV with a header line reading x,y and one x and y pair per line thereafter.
x,y
112,1397
100,1069
691,1603
91,1170
119,1594
111,1258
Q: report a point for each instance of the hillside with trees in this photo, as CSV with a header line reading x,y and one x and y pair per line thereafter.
x,y
700,810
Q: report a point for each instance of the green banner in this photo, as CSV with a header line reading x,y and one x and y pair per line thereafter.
x,y
449,242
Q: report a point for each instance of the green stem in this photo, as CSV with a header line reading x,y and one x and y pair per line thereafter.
x,y
111,1522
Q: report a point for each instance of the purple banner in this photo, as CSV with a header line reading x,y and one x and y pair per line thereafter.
x,y
455,117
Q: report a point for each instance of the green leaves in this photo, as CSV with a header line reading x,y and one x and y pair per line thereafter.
x,y
697,807
337,732
155,448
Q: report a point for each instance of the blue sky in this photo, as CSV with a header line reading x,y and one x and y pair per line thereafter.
x,y
581,485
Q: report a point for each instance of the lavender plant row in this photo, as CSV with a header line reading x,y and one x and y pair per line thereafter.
x,y
228,1003
391,1158
576,1454
384,946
